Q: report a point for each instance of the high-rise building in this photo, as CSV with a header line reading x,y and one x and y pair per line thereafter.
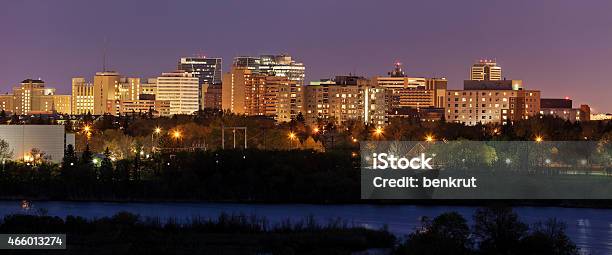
x,y
251,93
498,106
6,103
82,96
208,71
413,92
276,65
110,89
344,98
486,70
32,97
106,92
62,104
181,89
212,98
149,87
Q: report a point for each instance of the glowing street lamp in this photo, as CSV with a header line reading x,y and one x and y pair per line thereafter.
x,y
315,130
539,139
87,128
429,138
158,130
176,134
291,138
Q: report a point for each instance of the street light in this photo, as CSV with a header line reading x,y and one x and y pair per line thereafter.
x,y
158,130
378,132
176,134
315,130
539,139
429,138
291,138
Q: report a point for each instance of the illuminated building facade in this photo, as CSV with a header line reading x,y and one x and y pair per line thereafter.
x,y
82,96
181,89
562,108
486,70
344,98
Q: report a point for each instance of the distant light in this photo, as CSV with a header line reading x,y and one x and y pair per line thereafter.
x,y
429,138
95,161
567,98
539,139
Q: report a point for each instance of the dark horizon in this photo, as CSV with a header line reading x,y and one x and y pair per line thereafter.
x,y
558,47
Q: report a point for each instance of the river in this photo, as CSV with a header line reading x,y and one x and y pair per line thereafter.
x,y
590,229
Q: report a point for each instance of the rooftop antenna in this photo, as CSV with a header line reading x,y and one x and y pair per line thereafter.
x,y
104,54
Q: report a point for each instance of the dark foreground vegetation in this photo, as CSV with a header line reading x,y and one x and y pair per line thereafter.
x,y
494,231
248,176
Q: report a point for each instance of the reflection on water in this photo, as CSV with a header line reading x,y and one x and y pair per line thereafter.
x,y
590,229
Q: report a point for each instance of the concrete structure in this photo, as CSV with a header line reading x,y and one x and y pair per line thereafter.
x,y
344,98
181,89
156,107
562,108
208,71
82,96
32,97
106,88
62,104
413,92
6,103
149,87
48,139
250,93
496,106
276,65
486,70
211,96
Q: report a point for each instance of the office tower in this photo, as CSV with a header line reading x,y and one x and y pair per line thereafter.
x,y
32,97
562,108
82,96
411,92
250,93
6,103
234,90
275,65
129,88
62,104
486,70
149,87
282,98
211,96
491,105
181,89
208,71
106,92
344,98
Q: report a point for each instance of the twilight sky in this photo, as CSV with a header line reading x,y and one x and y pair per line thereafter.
x,y
561,47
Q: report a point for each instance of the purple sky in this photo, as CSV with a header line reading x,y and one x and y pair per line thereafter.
x,y
562,47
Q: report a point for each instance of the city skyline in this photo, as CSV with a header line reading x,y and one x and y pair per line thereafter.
x,y
548,56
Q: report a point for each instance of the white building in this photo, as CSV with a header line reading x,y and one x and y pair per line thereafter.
x,y
181,89
48,139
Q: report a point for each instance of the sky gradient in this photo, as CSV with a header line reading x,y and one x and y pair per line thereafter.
x,y
561,47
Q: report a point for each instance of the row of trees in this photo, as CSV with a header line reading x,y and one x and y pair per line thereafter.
x,y
204,130
495,230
